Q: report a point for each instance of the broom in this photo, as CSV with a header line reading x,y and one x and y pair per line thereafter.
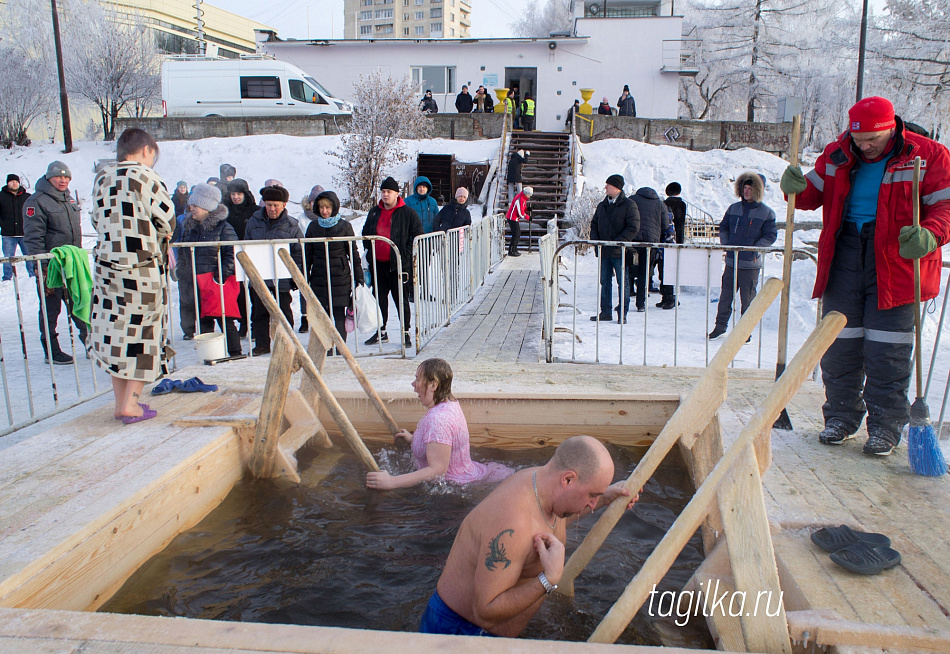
x,y
923,448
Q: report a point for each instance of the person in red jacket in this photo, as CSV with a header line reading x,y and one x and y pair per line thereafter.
x,y
863,183
517,213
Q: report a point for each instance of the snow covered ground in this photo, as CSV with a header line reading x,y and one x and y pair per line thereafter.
x,y
301,162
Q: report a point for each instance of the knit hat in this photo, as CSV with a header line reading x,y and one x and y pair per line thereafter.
x,y
181,182
214,181
58,169
616,181
13,177
391,184
605,100
314,192
626,87
874,114
273,182
237,185
460,191
674,188
205,196
528,191
274,194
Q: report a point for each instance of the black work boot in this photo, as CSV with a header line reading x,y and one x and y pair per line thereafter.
x,y
835,433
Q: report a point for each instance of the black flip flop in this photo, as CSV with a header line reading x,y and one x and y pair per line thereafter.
x,y
832,539
866,560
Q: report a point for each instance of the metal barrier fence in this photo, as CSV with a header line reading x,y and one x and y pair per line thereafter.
x,y
264,254
691,271
50,387
938,363
449,267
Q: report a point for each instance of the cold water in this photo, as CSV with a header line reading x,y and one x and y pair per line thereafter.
x,y
329,552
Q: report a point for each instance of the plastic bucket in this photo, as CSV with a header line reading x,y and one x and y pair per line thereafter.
x,y
210,346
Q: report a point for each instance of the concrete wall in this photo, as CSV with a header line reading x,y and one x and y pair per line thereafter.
x,y
691,134
468,127
605,55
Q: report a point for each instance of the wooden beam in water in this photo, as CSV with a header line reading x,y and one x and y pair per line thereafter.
x,y
266,438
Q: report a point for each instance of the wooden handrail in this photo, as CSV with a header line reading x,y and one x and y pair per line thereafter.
x,y
691,417
665,553
318,315
336,411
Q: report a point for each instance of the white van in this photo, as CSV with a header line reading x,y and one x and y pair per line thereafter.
x,y
207,86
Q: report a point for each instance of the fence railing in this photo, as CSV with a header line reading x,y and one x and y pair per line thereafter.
x,y
448,268
653,336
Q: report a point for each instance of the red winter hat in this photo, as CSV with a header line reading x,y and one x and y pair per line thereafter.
x,y
874,114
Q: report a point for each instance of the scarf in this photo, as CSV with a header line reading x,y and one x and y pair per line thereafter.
x,y
327,223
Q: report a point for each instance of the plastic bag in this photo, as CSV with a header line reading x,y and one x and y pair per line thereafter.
x,y
209,296
368,315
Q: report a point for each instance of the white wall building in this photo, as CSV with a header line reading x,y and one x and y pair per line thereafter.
x,y
604,54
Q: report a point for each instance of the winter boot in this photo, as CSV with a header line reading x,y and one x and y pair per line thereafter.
x,y
835,433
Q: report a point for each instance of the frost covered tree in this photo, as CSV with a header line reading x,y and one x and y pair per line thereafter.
x,y
385,112
539,20
112,62
25,95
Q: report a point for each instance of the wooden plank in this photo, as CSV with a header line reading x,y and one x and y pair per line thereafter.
x,y
299,412
751,556
700,459
92,629
263,458
216,421
826,631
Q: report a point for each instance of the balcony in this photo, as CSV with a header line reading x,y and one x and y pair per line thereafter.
x,y
679,57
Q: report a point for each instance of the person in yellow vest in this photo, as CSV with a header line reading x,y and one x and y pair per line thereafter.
x,y
509,105
527,113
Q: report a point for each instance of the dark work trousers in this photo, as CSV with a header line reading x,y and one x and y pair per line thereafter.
x,y
867,368
55,300
514,227
186,305
745,280
387,284
638,276
610,268
260,316
242,305
668,291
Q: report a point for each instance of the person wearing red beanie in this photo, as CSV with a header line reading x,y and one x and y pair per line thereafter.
x,y
863,183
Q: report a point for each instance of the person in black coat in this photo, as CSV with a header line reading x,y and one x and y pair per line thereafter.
x,y
678,208
269,224
428,105
464,102
654,219
398,222
334,290
615,219
241,206
514,176
12,198
180,198
198,224
454,214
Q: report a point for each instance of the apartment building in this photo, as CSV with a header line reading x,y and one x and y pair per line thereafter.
x,y
407,19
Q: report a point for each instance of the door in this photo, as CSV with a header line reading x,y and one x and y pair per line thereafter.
x,y
520,81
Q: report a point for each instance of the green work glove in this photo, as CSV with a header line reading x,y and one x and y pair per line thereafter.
x,y
793,181
916,242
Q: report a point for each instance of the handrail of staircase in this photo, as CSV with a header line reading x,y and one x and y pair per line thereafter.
x,y
502,150
589,120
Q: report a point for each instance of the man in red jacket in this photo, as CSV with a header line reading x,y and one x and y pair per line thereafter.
x,y
863,183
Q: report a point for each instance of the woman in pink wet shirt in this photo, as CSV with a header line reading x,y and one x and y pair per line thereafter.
x,y
440,444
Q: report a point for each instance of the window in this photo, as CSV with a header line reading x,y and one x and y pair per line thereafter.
x,y
419,2
260,87
384,13
451,31
405,17
366,15
405,3
441,79
366,29
451,18
303,93
435,13
405,31
384,29
435,27
420,15
420,30
366,3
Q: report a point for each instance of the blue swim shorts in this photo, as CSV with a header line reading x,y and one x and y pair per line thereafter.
x,y
440,619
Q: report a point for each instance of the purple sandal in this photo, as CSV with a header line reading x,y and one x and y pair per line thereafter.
x,y
147,414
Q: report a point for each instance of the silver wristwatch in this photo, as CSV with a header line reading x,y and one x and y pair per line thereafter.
x,y
548,586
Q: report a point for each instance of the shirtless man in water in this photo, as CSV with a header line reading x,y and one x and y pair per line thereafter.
x,y
509,552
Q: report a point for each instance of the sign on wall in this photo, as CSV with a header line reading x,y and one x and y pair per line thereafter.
x,y
490,80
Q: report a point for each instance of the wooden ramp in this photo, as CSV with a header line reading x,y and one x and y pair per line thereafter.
x,y
501,323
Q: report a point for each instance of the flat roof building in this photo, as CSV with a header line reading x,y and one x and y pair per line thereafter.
x,y
407,19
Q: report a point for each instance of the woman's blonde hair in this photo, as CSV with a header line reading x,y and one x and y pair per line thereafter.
x,y
439,371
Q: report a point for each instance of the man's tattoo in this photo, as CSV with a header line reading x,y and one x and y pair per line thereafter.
x,y
496,552
135,395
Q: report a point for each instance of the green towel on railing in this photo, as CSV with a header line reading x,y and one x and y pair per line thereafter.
x,y
69,267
